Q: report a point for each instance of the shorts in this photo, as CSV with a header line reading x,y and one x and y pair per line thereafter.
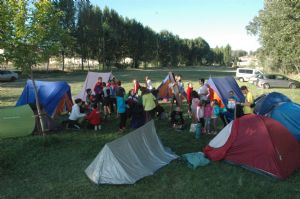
x,y
106,101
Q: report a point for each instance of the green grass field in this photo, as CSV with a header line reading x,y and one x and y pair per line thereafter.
x,y
53,166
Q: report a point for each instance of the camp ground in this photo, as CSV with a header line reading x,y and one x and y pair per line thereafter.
x,y
256,149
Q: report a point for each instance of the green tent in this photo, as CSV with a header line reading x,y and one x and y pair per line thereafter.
x,y
16,121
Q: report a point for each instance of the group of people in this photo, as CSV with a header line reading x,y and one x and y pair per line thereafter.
x,y
140,105
207,110
109,97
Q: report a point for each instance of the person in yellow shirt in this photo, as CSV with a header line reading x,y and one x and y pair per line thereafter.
x,y
248,100
149,104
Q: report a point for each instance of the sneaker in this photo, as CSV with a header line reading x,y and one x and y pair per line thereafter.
x,y
96,127
99,127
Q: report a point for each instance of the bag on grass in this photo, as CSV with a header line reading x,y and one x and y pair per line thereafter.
x,y
195,160
193,127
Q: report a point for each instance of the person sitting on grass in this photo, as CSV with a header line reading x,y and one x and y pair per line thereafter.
x,y
76,117
94,118
177,120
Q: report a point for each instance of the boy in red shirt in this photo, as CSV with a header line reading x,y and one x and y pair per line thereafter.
x,y
94,118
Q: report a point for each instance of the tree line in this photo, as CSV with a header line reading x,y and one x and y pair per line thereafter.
x,y
278,27
32,31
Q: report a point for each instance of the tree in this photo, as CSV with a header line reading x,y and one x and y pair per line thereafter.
x,y
31,32
278,27
227,55
67,23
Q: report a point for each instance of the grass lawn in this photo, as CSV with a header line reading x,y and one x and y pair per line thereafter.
x,y
53,166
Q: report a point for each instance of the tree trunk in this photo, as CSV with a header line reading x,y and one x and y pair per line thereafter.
x,y
82,63
48,63
297,69
63,60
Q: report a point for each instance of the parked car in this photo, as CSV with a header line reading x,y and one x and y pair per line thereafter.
x,y
279,81
246,74
6,75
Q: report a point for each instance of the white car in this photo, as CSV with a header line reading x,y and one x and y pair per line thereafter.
x,y
6,75
245,74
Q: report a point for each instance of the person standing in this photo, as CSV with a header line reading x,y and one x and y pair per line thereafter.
x,y
106,99
149,104
148,83
136,86
121,107
189,91
249,100
98,90
203,90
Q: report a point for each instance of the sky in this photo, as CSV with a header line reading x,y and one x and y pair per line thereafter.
x,y
219,22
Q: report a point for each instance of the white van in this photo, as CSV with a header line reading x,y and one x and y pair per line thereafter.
x,y
244,74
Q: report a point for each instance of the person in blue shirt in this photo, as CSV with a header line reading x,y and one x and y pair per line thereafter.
x,y
232,101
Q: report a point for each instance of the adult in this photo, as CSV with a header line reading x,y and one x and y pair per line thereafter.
x,y
148,83
203,91
76,117
249,100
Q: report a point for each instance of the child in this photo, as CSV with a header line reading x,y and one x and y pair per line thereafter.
x,y
136,86
94,118
106,99
90,99
121,107
207,116
231,106
215,114
98,90
149,104
177,121
189,96
195,102
200,113
232,100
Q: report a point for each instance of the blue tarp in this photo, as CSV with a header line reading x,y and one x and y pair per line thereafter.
x,y
288,114
268,102
222,86
50,94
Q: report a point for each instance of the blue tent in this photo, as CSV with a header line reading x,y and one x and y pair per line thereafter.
x,y
288,115
267,103
50,94
222,86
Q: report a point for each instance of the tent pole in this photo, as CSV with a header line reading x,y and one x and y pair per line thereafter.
x,y
37,104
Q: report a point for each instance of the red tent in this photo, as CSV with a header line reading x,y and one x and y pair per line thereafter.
x,y
257,143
